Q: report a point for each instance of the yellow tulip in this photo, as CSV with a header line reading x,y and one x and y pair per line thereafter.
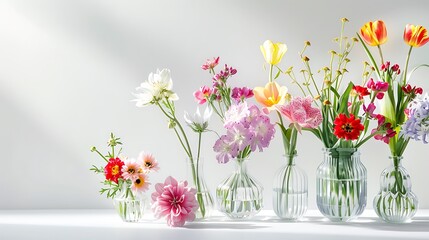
x,y
273,52
415,36
270,95
374,33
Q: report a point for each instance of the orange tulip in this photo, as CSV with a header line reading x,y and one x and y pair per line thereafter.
x,y
270,95
415,36
374,33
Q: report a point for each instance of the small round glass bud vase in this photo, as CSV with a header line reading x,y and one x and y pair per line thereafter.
x,y
290,191
128,205
395,203
240,195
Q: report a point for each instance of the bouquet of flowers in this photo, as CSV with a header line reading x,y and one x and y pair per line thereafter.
x,y
157,90
220,95
404,113
346,114
290,181
126,177
399,92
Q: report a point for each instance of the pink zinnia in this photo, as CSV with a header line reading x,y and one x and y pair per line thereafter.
x,y
300,113
175,201
210,64
148,162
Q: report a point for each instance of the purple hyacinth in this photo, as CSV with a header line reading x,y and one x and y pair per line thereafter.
x,y
417,125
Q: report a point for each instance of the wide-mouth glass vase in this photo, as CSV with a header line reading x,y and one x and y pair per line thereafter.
x,y
395,203
240,195
341,184
204,198
290,191
129,206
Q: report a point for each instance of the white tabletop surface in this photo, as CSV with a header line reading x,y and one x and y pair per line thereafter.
x,y
105,225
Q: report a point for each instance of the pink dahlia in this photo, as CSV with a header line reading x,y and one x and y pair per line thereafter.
x,y
175,201
300,113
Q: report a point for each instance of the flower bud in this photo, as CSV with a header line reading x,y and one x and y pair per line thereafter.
x,y
171,124
305,59
326,102
93,149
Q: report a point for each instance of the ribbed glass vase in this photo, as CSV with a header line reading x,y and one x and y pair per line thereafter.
x,y
128,205
240,195
290,194
197,181
341,184
395,203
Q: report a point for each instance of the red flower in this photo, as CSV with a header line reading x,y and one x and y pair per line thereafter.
x,y
361,91
112,170
413,91
347,128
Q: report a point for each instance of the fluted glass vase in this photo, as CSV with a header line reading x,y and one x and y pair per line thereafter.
x,y
240,195
341,184
290,195
395,202
204,198
128,205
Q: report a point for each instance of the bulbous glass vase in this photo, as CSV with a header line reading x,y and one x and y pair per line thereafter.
x,y
239,196
290,194
395,203
341,184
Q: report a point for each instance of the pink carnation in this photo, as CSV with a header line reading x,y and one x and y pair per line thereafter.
x,y
301,114
175,201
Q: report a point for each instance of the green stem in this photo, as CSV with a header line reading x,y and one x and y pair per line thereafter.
x,y
101,155
271,73
406,66
381,54
285,140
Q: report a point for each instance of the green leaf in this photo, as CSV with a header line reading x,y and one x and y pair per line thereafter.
x,y
371,58
344,100
277,75
335,92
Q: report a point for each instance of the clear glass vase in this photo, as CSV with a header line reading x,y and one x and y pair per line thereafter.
x,y
128,205
341,184
290,194
395,202
239,196
204,198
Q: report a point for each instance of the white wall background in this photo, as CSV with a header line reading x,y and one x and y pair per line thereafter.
x,y
68,68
